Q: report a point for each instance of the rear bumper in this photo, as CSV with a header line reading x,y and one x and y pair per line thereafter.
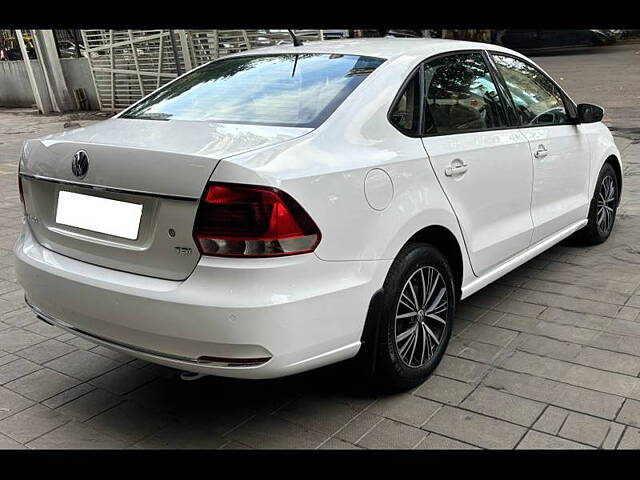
x,y
251,318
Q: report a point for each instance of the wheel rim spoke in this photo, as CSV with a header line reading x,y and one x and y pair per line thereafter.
x,y
605,213
441,294
406,333
423,299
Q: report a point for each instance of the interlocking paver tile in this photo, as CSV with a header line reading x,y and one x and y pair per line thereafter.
x,y
42,384
585,429
11,402
630,413
551,420
613,436
15,339
468,349
489,334
112,354
129,422
32,422
556,393
461,369
548,329
358,426
9,443
267,431
44,329
45,351
68,395
390,434
630,439
589,293
405,408
474,428
318,413
578,375
90,405
187,434
444,390
519,308
335,444
537,440
16,369
546,299
82,364
503,405
75,435
434,441
123,379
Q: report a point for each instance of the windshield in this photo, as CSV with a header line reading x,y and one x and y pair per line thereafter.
x,y
296,90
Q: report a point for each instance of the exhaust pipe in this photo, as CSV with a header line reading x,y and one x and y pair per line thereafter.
x,y
191,376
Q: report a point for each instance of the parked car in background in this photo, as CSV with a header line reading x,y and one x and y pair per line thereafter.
x,y
530,41
281,209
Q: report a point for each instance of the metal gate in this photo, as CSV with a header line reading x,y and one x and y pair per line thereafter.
x,y
126,65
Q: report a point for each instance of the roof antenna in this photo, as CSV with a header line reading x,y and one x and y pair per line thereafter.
x,y
296,41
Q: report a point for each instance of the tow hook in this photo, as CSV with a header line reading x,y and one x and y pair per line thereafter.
x,y
191,376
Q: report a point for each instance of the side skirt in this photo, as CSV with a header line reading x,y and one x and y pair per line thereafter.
x,y
521,258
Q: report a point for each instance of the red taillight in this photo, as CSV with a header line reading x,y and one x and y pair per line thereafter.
x,y
251,221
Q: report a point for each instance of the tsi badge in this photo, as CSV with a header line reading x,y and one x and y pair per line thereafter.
x,y
185,251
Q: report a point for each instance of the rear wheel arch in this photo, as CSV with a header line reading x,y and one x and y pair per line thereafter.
x,y
446,242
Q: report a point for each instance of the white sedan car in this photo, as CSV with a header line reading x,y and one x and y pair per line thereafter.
x,y
286,208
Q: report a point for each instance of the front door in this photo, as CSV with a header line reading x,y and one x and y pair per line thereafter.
x,y
560,154
483,164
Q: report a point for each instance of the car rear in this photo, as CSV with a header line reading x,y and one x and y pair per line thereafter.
x,y
143,251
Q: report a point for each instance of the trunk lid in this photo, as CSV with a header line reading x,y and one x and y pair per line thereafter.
x,y
161,165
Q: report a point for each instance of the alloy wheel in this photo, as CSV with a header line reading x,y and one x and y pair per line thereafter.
x,y
421,316
606,204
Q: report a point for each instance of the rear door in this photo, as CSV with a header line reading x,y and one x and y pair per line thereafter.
x,y
560,152
482,162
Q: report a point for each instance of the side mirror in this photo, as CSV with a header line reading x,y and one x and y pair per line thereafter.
x,y
588,113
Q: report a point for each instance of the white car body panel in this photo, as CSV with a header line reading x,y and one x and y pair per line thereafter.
x,y
492,198
368,187
560,178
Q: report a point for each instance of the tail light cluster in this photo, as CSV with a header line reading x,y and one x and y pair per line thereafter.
x,y
252,221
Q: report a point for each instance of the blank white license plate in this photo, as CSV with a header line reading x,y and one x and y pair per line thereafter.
x,y
103,215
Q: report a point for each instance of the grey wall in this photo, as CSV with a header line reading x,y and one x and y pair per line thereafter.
x,y
77,74
15,89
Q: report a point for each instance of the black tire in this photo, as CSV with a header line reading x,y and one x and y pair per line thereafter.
x,y
400,367
595,232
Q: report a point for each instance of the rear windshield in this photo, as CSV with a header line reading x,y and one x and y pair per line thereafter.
x,y
296,90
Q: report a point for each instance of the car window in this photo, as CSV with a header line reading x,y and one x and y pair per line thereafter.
x,y
297,90
461,95
405,115
536,99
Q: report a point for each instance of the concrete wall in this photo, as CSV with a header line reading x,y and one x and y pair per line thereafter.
x,y
77,74
15,89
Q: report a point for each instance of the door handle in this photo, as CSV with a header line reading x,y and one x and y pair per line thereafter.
x,y
456,169
541,152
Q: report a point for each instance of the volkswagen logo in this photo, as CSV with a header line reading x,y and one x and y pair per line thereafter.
x,y
80,164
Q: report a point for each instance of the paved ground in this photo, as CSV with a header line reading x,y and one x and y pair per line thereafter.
x,y
547,357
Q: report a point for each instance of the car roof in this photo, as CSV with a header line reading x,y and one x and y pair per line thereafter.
x,y
388,48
